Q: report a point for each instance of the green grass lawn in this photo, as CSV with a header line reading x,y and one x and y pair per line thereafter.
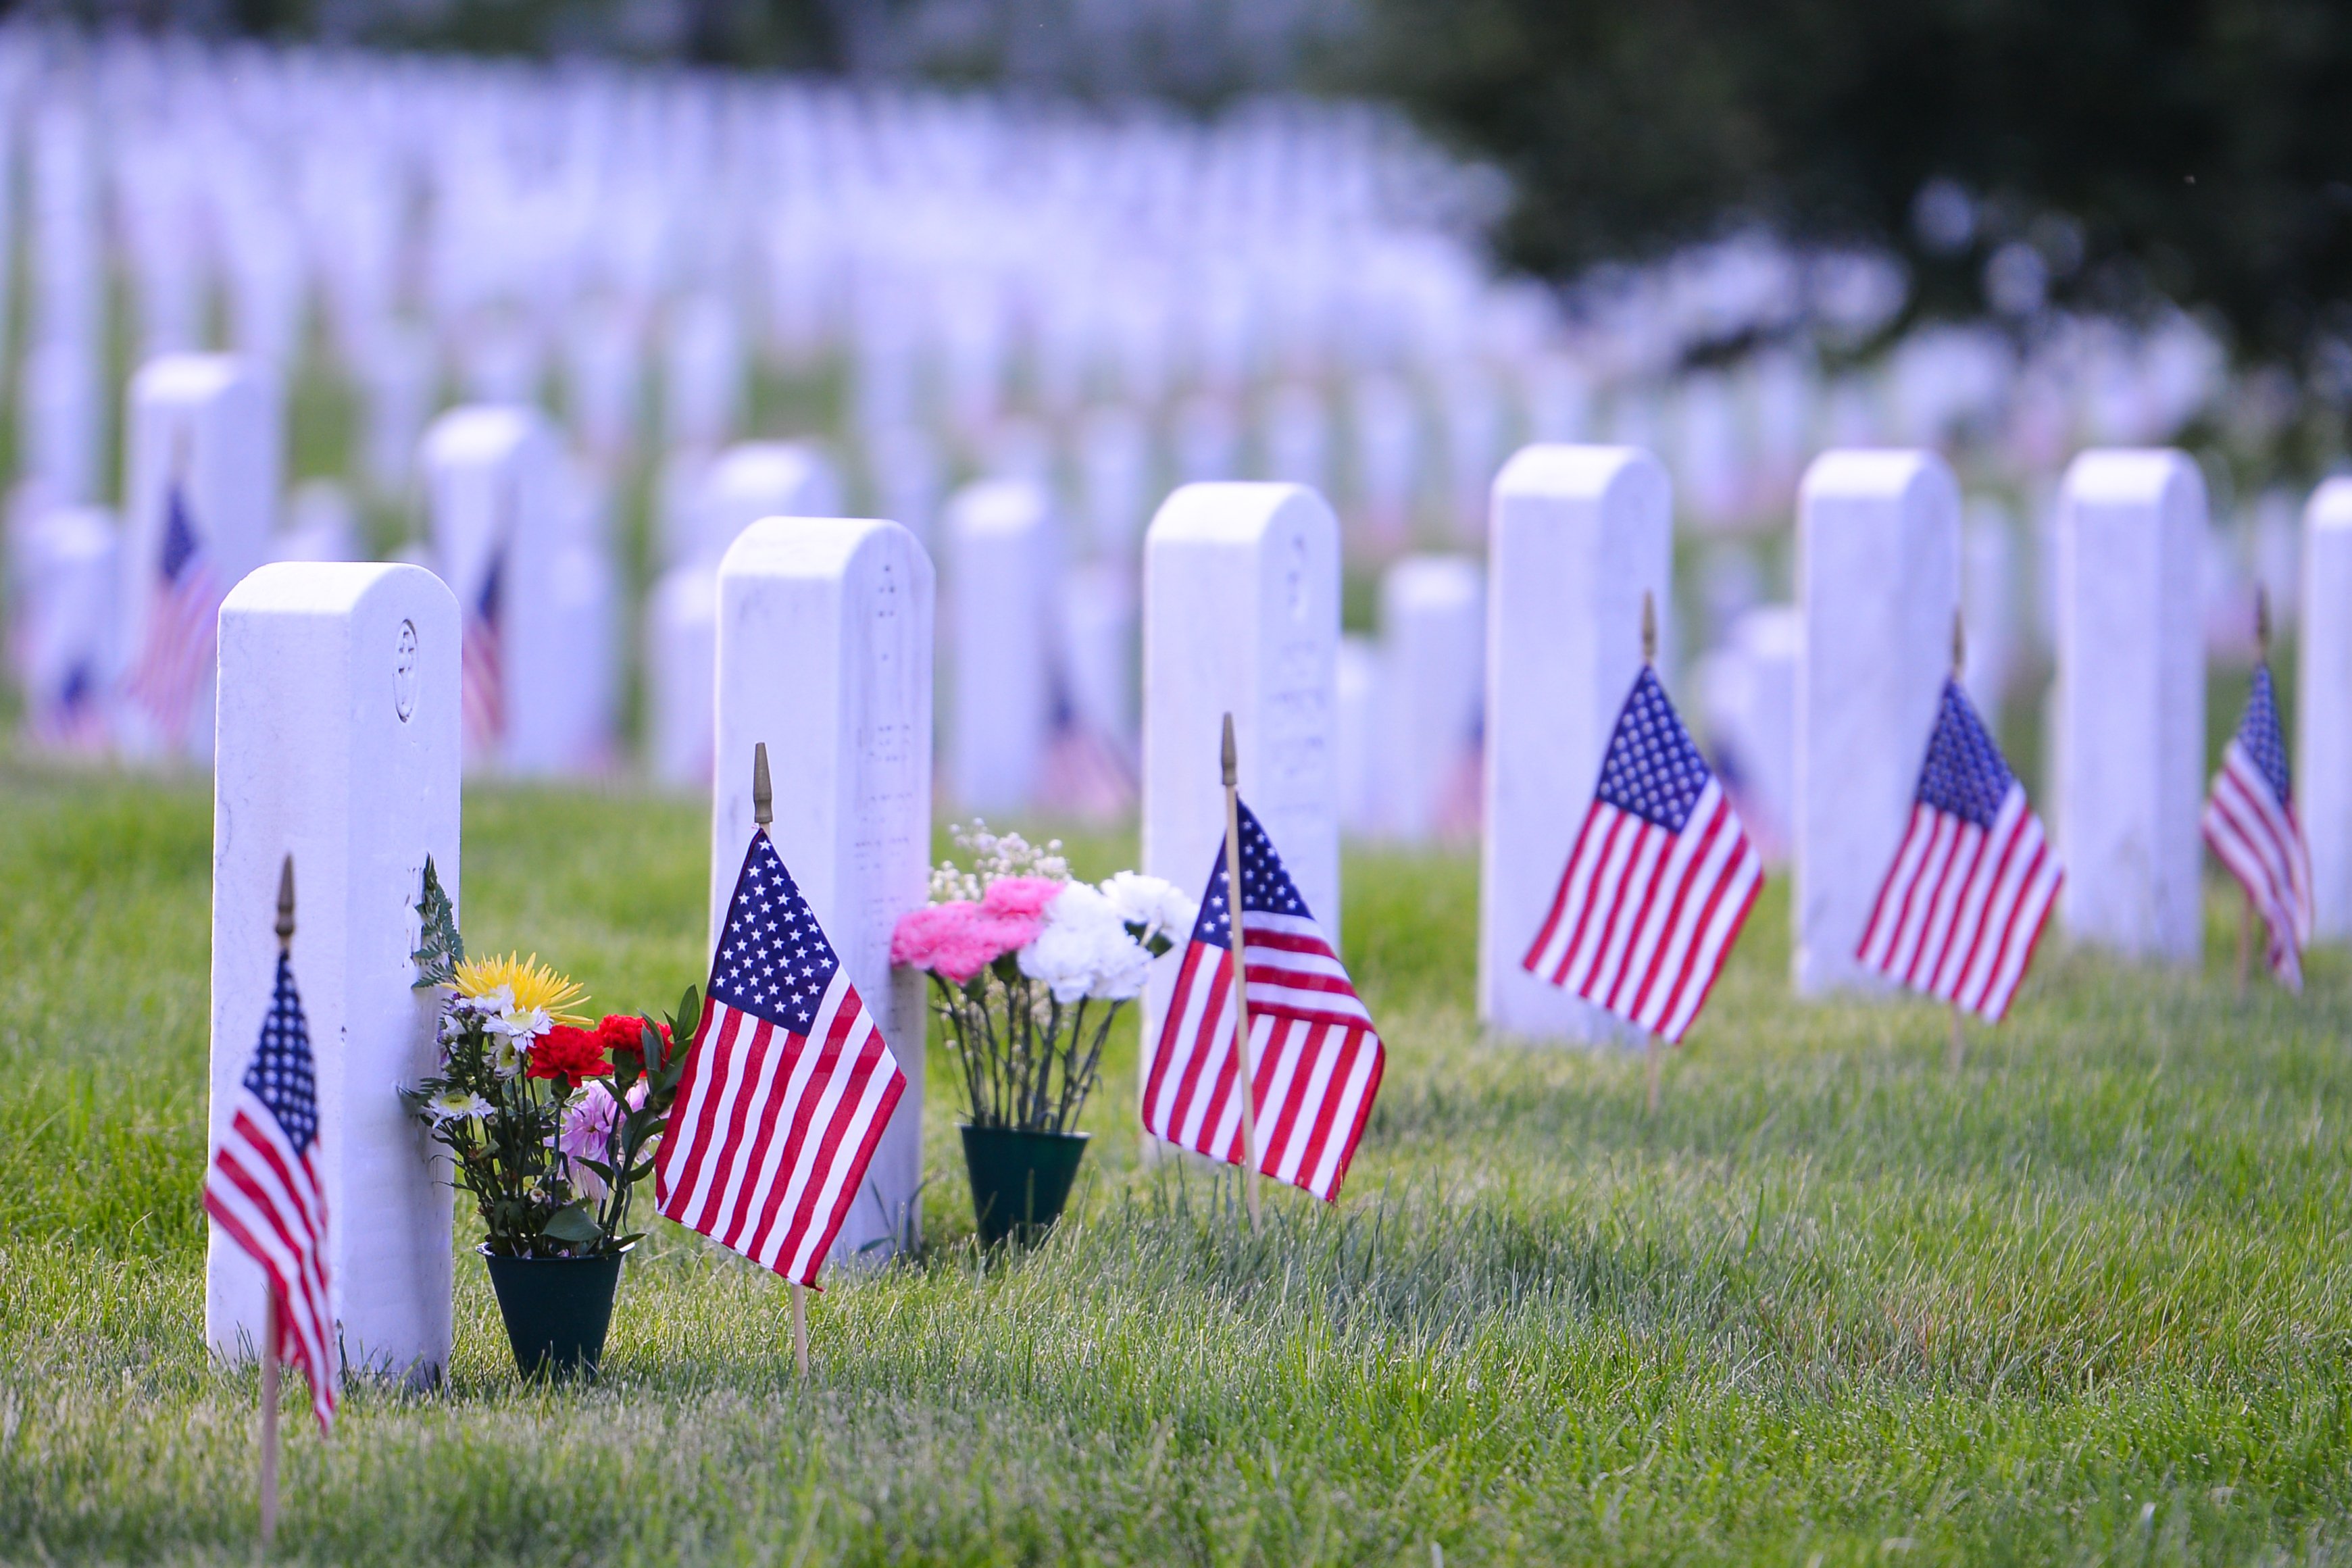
x,y
2088,1300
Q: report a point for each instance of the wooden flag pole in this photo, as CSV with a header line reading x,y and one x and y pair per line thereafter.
x,y
1959,1050
269,1422
1653,1061
1241,988
271,1326
764,812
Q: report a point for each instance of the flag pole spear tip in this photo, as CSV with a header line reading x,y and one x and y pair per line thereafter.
x,y
285,902
2262,623
1960,643
1233,770
763,794
1649,627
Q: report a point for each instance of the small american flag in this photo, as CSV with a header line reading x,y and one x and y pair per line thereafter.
x,y
2250,821
1316,1061
482,663
68,717
1659,881
788,1090
262,1190
182,616
1973,879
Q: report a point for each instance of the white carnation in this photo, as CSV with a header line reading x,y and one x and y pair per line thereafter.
x,y
1084,950
1158,906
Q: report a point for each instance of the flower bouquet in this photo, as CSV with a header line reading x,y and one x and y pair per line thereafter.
x,y
1029,970
549,1122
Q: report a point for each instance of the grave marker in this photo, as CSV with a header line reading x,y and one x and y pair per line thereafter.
x,y
1241,615
1434,643
339,744
1000,562
1579,535
1878,579
824,653
203,429
2323,740
2129,702
535,590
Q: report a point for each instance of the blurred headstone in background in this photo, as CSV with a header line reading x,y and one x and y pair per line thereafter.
x,y
2322,755
2129,713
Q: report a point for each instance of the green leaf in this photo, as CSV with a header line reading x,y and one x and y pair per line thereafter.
x,y
573,1223
441,949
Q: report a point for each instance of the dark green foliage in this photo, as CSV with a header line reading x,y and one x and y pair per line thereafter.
x,y
2199,150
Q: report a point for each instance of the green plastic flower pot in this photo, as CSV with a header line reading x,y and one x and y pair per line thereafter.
x,y
1018,1180
556,1311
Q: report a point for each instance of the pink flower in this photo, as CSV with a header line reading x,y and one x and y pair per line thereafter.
x,y
1023,897
958,939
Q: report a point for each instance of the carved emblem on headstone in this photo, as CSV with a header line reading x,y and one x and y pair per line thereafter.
x,y
403,670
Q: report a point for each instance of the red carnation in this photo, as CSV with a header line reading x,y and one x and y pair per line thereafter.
x,y
624,1036
569,1056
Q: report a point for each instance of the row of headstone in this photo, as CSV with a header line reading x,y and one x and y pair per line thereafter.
x,y
1285,295
823,648
343,717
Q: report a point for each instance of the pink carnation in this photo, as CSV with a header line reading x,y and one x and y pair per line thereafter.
x,y
1023,897
958,939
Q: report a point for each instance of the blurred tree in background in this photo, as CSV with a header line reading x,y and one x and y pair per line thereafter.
x,y
2107,154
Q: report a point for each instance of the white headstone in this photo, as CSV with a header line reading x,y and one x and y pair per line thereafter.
x,y
2129,702
510,540
681,662
1579,535
1000,569
1988,606
1387,424
2322,754
824,653
339,744
320,524
204,426
67,579
1434,643
1241,615
1115,466
1358,694
1099,649
755,479
1749,689
1878,581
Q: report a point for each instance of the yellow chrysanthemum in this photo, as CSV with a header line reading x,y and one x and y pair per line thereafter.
x,y
532,984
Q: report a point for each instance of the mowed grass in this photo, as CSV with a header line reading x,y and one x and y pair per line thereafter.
x,y
2088,1300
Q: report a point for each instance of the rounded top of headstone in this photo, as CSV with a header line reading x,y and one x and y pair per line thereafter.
x,y
2133,476
1431,582
999,507
482,432
191,377
1879,474
1560,470
330,587
1236,511
776,478
814,546
2331,503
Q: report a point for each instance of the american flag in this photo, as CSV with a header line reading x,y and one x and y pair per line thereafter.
x,y
69,718
481,660
788,1090
262,1190
2250,821
182,616
1315,1060
1660,879
1973,879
